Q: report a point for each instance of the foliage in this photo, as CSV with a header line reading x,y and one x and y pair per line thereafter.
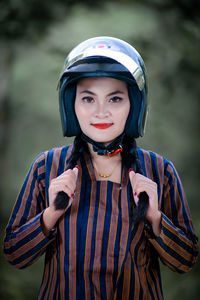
x,y
28,19
167,35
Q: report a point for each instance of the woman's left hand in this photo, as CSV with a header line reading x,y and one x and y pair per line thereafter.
x,y
140,184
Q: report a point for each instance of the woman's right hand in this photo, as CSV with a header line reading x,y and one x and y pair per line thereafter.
x,y
66,182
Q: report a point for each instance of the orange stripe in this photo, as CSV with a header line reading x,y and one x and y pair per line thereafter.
x,y
156,283
160,166
177,201
169,258
28,246
111,242
144,281
127,278
62,254
148,165
72,239
175,246
137,282
33,207
21,209
45,274
67,156
98,243
88,245
72,243
36,241
89,240
167,206
22,234
125,226
89,167
54,164
53,273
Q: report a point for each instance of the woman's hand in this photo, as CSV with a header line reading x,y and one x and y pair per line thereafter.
x,y
141,184
66,183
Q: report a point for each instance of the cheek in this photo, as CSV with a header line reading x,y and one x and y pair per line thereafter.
x,y
81,114
123,114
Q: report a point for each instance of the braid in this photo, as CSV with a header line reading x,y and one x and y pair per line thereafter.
x,y
62,199
78,147
130,158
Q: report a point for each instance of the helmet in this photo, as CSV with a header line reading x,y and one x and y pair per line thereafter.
x,y
107,57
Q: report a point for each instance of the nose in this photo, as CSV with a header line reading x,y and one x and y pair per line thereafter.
x,y
102,110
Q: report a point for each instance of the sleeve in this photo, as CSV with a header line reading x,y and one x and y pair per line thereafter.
x,y
24,240
177,244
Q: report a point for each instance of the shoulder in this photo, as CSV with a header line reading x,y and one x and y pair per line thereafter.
x,y
150,157
52,156
154,164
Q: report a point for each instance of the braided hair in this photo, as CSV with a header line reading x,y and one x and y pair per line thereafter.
x,y
130,158
62,199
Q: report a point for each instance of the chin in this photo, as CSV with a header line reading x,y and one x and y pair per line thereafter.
x,y
105,142
103,137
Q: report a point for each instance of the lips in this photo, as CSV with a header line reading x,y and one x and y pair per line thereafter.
x,y
102,125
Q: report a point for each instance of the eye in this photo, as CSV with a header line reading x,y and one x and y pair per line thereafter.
x,y
115,99
88,99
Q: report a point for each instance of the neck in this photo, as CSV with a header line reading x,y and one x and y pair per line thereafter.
x,y
115,147
105,167
100,158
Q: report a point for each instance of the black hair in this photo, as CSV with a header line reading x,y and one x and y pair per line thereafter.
x,y
130,159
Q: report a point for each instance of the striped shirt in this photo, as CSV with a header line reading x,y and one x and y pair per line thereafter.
x,y
96,252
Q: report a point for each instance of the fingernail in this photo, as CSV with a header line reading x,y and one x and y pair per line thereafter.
x,y
72,195
135,194
77,167
130,170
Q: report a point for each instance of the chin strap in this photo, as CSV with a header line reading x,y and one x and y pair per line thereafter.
x,y
113,149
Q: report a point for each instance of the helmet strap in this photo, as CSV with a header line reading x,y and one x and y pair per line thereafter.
x,y
112,149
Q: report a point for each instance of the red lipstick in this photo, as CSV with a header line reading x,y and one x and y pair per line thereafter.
x,y
102,125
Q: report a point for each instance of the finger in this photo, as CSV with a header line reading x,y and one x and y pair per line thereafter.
x,y
145,187
131,175
76,170
68,190
62,188
136,199
67,178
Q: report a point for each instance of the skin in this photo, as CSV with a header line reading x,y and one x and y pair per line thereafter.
x,y
102,100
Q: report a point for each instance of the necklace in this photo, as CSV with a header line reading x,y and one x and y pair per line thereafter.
x,y
105,175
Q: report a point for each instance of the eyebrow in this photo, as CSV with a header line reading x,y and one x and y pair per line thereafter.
x,y
110,94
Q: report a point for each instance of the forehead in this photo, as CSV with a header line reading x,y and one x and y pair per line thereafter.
x,y
99,82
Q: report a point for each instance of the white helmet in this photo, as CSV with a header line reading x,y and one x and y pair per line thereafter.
x,y
107,57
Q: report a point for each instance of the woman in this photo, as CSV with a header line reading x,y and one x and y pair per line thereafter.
x,y
102,210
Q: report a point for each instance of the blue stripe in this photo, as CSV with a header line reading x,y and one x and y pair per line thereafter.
x,y
117,240
179,242
170,251
105,239
62,160
66,254
29,253
96,212
82,223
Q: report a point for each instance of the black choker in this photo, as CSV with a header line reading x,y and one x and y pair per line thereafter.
x,y
114,148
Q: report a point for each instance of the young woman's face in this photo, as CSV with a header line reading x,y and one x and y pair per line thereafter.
x,y
102,106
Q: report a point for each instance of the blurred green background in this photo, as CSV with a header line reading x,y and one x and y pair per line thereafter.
x,y
34,40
